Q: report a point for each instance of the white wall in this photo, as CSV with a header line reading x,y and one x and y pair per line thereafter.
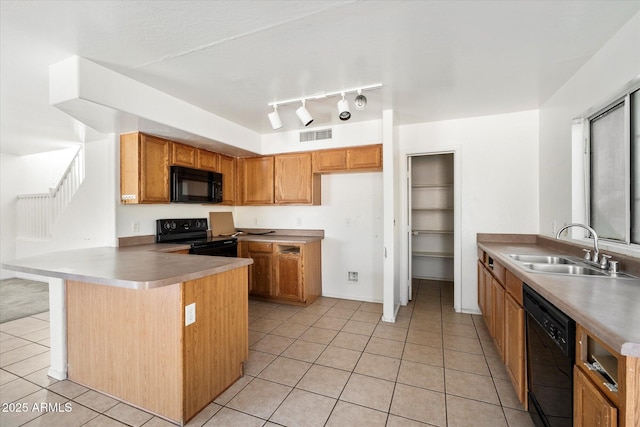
x,y
10,167
30,174
498,180
351,217
344,135
614,65
88,221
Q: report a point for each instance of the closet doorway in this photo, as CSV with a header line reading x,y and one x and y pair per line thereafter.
x,y
431,218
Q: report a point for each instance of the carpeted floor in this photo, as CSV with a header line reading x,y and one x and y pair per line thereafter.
x,y
21,298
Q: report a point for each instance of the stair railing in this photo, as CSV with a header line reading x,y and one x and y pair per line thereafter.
x,y
38,212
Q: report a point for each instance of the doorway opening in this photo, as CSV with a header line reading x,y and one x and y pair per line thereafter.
x,y
431,223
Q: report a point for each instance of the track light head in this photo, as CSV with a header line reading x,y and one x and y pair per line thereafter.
x,y
343,109
360,101
303,115
274,118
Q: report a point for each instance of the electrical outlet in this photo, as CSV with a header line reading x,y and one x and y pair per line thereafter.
x,y
353,276
298,221
135,226
190,314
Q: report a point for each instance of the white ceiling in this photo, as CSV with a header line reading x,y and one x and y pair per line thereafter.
x,y
436,59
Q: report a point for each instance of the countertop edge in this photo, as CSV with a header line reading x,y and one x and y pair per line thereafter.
x,y
130,284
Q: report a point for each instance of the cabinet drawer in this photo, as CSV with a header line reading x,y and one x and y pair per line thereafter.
x,y
260,247
514,287
497,269
600,363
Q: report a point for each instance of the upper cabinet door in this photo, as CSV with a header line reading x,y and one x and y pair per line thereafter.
x,y
144,169
257,180
368,157
330,160
183,155
227,167
208,160
295,182
154,170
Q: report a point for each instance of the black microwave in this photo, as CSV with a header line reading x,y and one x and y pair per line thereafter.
x,y
195,186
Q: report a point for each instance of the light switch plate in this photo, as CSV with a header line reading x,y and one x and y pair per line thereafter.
x,y
190,314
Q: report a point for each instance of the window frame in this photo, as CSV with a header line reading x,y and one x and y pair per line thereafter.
x,y
623,96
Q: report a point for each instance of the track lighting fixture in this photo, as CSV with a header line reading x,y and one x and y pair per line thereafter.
x,y
343,109
304,115
274,118
360,101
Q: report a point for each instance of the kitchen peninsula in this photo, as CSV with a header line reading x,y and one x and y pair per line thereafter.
x,y
160,331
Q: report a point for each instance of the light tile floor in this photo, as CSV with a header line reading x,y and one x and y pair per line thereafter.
x,y
334,363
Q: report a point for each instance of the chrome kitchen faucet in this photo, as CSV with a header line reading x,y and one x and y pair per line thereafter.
x,y
596,253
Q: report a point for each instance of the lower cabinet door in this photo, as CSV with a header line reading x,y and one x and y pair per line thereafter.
x,y
288,281
590,407
498,315
514,344
260,282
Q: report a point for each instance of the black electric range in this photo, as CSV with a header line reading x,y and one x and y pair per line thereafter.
x,y
193,232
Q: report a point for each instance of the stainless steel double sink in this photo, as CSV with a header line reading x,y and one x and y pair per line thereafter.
x,y
564,265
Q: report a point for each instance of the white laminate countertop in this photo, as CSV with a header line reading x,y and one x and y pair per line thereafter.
x,y
607,307
136,267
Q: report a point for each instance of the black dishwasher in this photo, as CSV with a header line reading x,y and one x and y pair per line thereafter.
x,y
550,359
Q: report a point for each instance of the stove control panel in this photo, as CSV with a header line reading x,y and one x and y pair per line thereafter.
x,y
169,229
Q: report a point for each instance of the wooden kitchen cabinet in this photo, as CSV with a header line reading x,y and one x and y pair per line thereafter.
x,y
494,300
208,160
500,301
284,179
183,155
606,384
497,295
365,158
227,167
144,168
590,407
325,161
482,287
284,272
294,180
514,346
261,277
288,271
351,159
256,180
488,302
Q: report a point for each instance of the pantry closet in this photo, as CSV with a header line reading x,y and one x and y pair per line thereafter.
x,y
431,215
